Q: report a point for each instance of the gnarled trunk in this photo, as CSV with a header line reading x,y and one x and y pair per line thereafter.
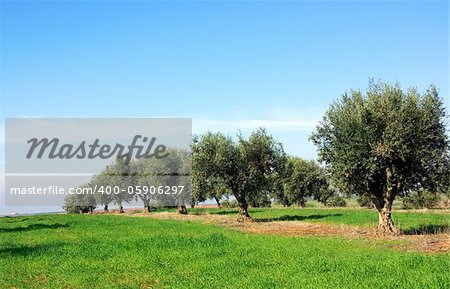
x,y
182,210
243,212
384,207
121,209
385,223
105,208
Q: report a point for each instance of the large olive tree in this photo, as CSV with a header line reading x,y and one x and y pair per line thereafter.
x,y
384,143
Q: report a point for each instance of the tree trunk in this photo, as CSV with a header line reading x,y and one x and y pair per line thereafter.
x,y
105,208
301,202
217,201
146,207
324,200
384,207
243,212
255,204
385,223
121,209
182,210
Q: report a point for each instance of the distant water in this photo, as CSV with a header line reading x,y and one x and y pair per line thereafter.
x,y
27,210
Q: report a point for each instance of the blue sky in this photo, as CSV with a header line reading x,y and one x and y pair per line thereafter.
x,y
228,65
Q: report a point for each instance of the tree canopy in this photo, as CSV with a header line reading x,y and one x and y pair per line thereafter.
x,y
245,167
384,143
305,178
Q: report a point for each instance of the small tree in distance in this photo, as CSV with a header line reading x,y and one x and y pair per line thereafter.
x,y
385,143
306,179
299,183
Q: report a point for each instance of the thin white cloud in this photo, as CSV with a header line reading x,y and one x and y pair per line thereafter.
x,y
276,119
202,125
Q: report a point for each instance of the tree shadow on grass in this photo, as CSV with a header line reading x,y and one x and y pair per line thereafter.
x,y
427,229
231,212
26,250
34,227
296,218
14,219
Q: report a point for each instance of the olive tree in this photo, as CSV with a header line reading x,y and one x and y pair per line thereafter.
x,y
173,170
115,181
143,171
213,156
110,185
385,143
260,158
305,179
181,162
101,198
80,203
244,167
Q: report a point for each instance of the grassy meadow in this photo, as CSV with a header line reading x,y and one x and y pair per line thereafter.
x,y
113,251
409,222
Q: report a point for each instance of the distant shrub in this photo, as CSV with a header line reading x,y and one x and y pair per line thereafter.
x,y
79,209
72,209
420,199
336,201
365,201
229,203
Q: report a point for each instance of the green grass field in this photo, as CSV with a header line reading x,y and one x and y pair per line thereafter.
x,y
408,222
108,251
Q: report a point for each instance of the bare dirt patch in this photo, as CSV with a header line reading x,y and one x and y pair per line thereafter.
x,y
435,243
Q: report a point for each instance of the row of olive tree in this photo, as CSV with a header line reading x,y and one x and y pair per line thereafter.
x,y
380,144
122,182
254,170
